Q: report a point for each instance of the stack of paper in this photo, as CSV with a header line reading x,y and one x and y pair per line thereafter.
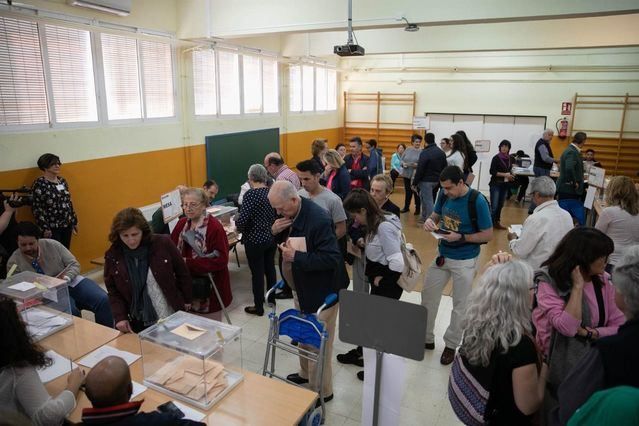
x,y
105,351
41,322
185,376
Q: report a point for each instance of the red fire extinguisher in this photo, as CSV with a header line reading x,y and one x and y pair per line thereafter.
x,y
562,127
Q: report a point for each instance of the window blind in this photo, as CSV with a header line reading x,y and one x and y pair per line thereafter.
x,y
295,88
320,89
229,69
71,73
204,91
308,99
23,97
121,77
331,77
252,84
270,85
157,73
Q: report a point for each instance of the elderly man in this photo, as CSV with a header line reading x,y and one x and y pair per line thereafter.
x,y
109,388
543,154
274,164
49,257
570,185
543,230
310,263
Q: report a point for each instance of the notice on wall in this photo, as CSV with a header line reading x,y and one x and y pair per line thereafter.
x,y
482,145
421,122
171,205
596,176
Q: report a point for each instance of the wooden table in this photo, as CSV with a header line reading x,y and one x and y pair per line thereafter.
x,y
81,338
256,400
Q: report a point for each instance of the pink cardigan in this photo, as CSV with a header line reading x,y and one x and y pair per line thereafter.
x,y
550,313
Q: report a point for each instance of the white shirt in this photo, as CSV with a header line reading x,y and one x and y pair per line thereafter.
x,y
456,159
621,227
541,233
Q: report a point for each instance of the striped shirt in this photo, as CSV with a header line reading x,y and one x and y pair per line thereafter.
x,y
287,174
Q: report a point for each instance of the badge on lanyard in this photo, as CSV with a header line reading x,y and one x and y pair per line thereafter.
x,y
59,187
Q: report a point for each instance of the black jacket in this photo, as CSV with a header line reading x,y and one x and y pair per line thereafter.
x,y
539,162
358,174
316,271
341,183
498,166
432,161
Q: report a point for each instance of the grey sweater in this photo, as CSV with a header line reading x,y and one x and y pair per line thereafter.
x,y
53,258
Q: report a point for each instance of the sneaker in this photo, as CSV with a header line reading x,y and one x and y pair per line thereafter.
x,y
297,379
286,294
353,356
429,346
360,375
447,356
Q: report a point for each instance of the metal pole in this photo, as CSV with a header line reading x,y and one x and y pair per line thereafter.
x,y
350,22
378,380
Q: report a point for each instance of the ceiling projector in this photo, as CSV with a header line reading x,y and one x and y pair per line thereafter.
x,y
349,50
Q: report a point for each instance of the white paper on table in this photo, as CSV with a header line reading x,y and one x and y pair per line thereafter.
x,y
22,286
391,390
590,197
190,413
437,236
105,351
137,389
59,367
40,322
516,229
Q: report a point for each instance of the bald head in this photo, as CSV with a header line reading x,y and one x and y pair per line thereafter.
x,y
109,383
284,199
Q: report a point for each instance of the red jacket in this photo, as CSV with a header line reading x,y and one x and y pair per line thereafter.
x,y
167,267
215,240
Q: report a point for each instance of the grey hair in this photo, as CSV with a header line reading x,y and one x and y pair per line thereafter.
x,y
544,186
284,190
626,281
197,193
257,173
549,131
498,311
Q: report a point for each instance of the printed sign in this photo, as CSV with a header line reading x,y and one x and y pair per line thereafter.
x,y
171,205
421,122
566,108
482,145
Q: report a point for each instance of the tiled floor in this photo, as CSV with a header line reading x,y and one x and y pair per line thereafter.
x,y
424,400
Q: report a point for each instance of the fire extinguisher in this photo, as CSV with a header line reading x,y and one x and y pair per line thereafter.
x,y
562,127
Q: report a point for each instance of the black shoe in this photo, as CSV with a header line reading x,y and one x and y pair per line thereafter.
x,y
360,375
429,346
326,399
297,379
403,210
284,295
353,356
254,311
448,356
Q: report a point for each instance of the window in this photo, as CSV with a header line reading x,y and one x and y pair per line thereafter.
x,y
270,85
295,88
321,89
308,100
157,73
252,84
331,78
204,91
23,96
71,73
121,78
229,69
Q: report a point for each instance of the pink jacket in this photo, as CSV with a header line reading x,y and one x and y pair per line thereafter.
x,y
550,314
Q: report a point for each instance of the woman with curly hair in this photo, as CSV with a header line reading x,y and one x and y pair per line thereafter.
x,y
21,390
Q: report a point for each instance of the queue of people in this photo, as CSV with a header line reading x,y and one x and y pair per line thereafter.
x,y
531,333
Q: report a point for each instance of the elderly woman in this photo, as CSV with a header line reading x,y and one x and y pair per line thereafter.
x,y
52,206
498,349
202,242
620,220
613,360
576,301
336,174
144,274
254,222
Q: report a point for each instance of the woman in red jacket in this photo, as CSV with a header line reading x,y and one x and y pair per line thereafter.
x,y
202,241
145,275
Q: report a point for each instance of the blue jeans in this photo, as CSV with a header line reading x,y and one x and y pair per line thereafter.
x,y
426,195
575,207
498,193
89,296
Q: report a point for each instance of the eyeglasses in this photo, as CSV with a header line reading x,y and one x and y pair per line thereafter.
x,y
191,205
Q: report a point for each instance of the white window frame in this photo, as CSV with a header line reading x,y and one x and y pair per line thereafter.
x,y
315,111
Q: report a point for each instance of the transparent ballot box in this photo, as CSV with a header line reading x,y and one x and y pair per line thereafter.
x,y
226,215
43,302
191,358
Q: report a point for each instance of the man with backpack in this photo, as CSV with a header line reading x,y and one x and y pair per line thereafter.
x,y
461,221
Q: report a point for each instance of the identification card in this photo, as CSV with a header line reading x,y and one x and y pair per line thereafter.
x,y
59,187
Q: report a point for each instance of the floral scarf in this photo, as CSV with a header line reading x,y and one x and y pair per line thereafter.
x,y
199,234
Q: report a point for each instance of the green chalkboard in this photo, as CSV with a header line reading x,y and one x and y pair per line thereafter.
x,y
229,156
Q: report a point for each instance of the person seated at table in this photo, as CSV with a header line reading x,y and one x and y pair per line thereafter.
x,y
589,160
49,257
157,220
109,388
211,189
202,242
144,274
521,182
543,230
21,390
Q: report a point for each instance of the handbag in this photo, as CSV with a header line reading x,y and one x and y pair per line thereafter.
x,y
412,266
468,397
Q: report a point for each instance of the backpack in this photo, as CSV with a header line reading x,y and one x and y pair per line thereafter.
x,y
472,210
412,266
468,398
